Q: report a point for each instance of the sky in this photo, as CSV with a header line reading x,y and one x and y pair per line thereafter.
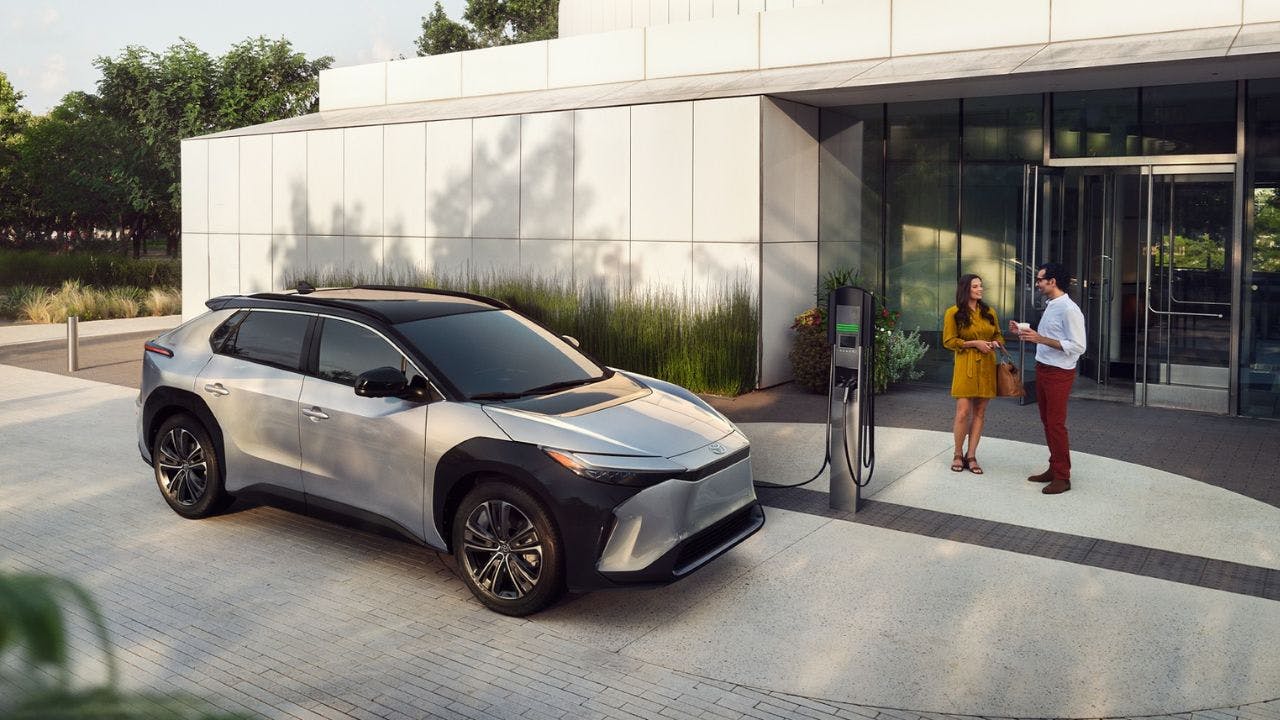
x,y
47,48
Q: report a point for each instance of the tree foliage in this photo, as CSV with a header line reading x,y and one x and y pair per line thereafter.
x,y
113,159
488,23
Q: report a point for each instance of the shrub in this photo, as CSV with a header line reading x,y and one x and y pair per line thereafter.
x,y
39,305
703,341
35,267
896,353
162,301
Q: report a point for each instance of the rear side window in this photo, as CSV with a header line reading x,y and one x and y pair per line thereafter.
x,y
271,338
347,350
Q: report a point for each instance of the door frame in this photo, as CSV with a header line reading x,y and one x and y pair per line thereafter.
x,y
1036,197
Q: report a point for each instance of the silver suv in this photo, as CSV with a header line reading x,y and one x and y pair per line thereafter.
x,y
453,420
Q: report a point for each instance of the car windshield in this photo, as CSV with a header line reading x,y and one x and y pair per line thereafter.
x,y
498,354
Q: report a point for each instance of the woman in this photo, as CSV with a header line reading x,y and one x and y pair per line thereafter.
x,y
971,330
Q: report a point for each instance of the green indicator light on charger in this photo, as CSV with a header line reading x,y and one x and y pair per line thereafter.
x,y
847,327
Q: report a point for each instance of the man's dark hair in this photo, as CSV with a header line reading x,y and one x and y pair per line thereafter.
x,y
1056,271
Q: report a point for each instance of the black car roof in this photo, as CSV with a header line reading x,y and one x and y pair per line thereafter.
x,y
390,304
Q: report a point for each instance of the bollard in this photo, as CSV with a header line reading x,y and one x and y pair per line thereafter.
x,y
73,344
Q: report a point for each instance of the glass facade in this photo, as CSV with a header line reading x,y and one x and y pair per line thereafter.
x,y
1260,304
915,194
1195,119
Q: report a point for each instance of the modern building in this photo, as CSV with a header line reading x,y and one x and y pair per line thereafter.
x,y
686,144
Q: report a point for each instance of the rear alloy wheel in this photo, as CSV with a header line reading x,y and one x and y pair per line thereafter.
x,y
187,467
507,549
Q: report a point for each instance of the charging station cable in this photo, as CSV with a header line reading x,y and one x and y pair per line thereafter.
x,y
826,456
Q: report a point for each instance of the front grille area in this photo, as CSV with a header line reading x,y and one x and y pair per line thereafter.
x,y
706,545
715,467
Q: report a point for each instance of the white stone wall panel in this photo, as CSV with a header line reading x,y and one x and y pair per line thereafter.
x,y
505,69
602,174
324,257
433,77
852,30
353,86
497,257
788,280
495,208
596,58
362,258
448,257
324,182
224,264
288,260
789,182
661,267
224,185
546,175
195,273
289,184
726,170
602,263
547,259
404,259
255,184
448,179
362,175
194,163
705,46
720,268
930,26
662,171
404,173
255,263
1081,19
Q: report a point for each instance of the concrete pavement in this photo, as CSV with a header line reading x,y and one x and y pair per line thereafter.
x,y
816,616
1002,607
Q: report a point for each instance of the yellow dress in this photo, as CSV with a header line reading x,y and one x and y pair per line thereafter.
x,y
974,375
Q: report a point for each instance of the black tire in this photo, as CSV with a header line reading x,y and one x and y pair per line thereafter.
x,y
187,468
507,549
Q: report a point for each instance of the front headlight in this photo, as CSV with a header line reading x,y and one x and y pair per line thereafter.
x,y
629,470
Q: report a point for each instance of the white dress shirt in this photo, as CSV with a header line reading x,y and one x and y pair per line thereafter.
x,y
1062,321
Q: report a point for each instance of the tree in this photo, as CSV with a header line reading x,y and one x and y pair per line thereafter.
x,y
441,35
13,123
489,23
162,98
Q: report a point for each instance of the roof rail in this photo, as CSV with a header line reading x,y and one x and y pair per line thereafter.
x,y
326,302
433,291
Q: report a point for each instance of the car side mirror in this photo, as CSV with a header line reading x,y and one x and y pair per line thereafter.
x,y
571,340
382,382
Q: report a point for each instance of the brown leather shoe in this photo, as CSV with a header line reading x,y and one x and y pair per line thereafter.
x,y
1045,476
1057,486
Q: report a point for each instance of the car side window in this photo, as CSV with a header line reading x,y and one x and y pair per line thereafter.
x,y
271,338
347,350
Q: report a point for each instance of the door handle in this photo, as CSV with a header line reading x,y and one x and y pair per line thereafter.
x,y
315,413
216,389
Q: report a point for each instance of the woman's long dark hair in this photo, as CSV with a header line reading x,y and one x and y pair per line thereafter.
x,y
962,303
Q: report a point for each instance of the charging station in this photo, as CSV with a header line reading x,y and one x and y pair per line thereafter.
x,y
851,429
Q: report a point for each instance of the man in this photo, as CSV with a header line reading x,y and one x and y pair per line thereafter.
x,y
1061,342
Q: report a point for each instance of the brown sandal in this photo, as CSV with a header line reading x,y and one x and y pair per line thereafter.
x,y
958,463
972,464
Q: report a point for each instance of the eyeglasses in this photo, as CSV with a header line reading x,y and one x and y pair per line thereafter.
x,y
1040,278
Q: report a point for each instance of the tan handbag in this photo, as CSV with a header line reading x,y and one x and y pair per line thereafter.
x,y
1008,379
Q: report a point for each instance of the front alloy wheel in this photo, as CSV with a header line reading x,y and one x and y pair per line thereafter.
x,y
507,549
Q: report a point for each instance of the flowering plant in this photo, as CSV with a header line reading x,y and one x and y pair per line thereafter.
x,y
896,352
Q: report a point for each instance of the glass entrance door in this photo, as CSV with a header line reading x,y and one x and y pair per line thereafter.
x,y
1186,311
1149,247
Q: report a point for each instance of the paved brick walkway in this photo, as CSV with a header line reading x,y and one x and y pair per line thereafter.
x,y
284,616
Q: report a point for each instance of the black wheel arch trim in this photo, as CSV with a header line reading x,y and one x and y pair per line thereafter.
x,y
164,399
581,509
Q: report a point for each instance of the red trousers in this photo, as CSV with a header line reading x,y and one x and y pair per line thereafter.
x,y
1053,388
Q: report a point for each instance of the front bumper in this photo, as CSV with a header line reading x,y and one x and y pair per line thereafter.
x,y
675,527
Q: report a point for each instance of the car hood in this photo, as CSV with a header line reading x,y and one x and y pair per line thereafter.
x,y
656,423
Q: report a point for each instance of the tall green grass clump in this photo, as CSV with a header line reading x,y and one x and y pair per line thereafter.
x,y
705,341
40,305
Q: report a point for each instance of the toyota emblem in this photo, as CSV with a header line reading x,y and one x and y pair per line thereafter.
x,y
717,449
